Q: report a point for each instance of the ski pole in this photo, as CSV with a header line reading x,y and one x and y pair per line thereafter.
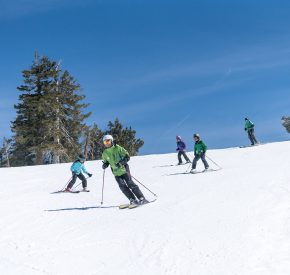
x,y
190,164
103,187
144,186
190,155
214,162
188,167
78,184
66,184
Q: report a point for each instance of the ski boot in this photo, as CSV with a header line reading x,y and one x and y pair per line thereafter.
x,y
143,201
134,202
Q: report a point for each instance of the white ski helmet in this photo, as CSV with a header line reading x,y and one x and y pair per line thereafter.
x,y
178,137
108,137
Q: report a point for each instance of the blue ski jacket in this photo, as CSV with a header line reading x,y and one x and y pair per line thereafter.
x,y
181,146
78,167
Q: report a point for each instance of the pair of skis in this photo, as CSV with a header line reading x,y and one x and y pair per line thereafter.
x,y
70,192
132,206
251,145
196,172
203,171
122,206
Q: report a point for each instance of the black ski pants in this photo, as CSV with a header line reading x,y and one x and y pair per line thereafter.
x,y
252,137
196,159
74,178
128,187
182,153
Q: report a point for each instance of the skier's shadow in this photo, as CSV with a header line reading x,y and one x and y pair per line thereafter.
x,y
81,208
188,173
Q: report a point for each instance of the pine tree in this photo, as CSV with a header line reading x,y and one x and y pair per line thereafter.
x,y
286,123
125,137
49,118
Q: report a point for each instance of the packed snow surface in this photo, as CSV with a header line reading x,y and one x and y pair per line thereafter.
x,y
235,221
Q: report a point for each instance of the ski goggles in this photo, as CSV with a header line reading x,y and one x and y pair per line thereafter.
x,y
107,142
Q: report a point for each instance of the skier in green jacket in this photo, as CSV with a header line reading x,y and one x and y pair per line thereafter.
x,y
199,153
117,157
249,127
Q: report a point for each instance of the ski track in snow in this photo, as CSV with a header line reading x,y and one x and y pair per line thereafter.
x,y
235,221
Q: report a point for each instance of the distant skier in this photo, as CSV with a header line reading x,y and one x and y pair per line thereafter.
x,y
117,157
77,168
249,127
199,153
181,146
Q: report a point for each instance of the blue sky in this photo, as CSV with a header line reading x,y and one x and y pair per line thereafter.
x,y
162,67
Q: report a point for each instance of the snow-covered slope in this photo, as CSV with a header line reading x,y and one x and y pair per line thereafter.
x,y
233,221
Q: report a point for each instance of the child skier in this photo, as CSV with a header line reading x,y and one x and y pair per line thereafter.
x,y
77,168
181,150
199,153
249,127
117,157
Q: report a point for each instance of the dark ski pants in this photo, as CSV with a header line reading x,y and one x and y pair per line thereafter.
x,y
128,170
74,178
252,137
181,153
196,159
128,187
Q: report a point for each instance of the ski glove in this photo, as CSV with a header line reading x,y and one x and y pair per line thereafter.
x,y
90,174
123,161
105,165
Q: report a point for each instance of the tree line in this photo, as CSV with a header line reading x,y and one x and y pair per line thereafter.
x,y
50,121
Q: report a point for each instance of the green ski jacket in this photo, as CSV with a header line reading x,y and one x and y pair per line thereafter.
x,y
113,155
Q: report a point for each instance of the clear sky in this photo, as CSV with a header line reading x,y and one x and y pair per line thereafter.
x,y
162,67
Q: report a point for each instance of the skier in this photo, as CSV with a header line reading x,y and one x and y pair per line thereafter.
x,y
77,168
199,153
117,157
249,127
181,150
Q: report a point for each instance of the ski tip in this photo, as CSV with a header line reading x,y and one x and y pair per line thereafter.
x,y
132,206
123,206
